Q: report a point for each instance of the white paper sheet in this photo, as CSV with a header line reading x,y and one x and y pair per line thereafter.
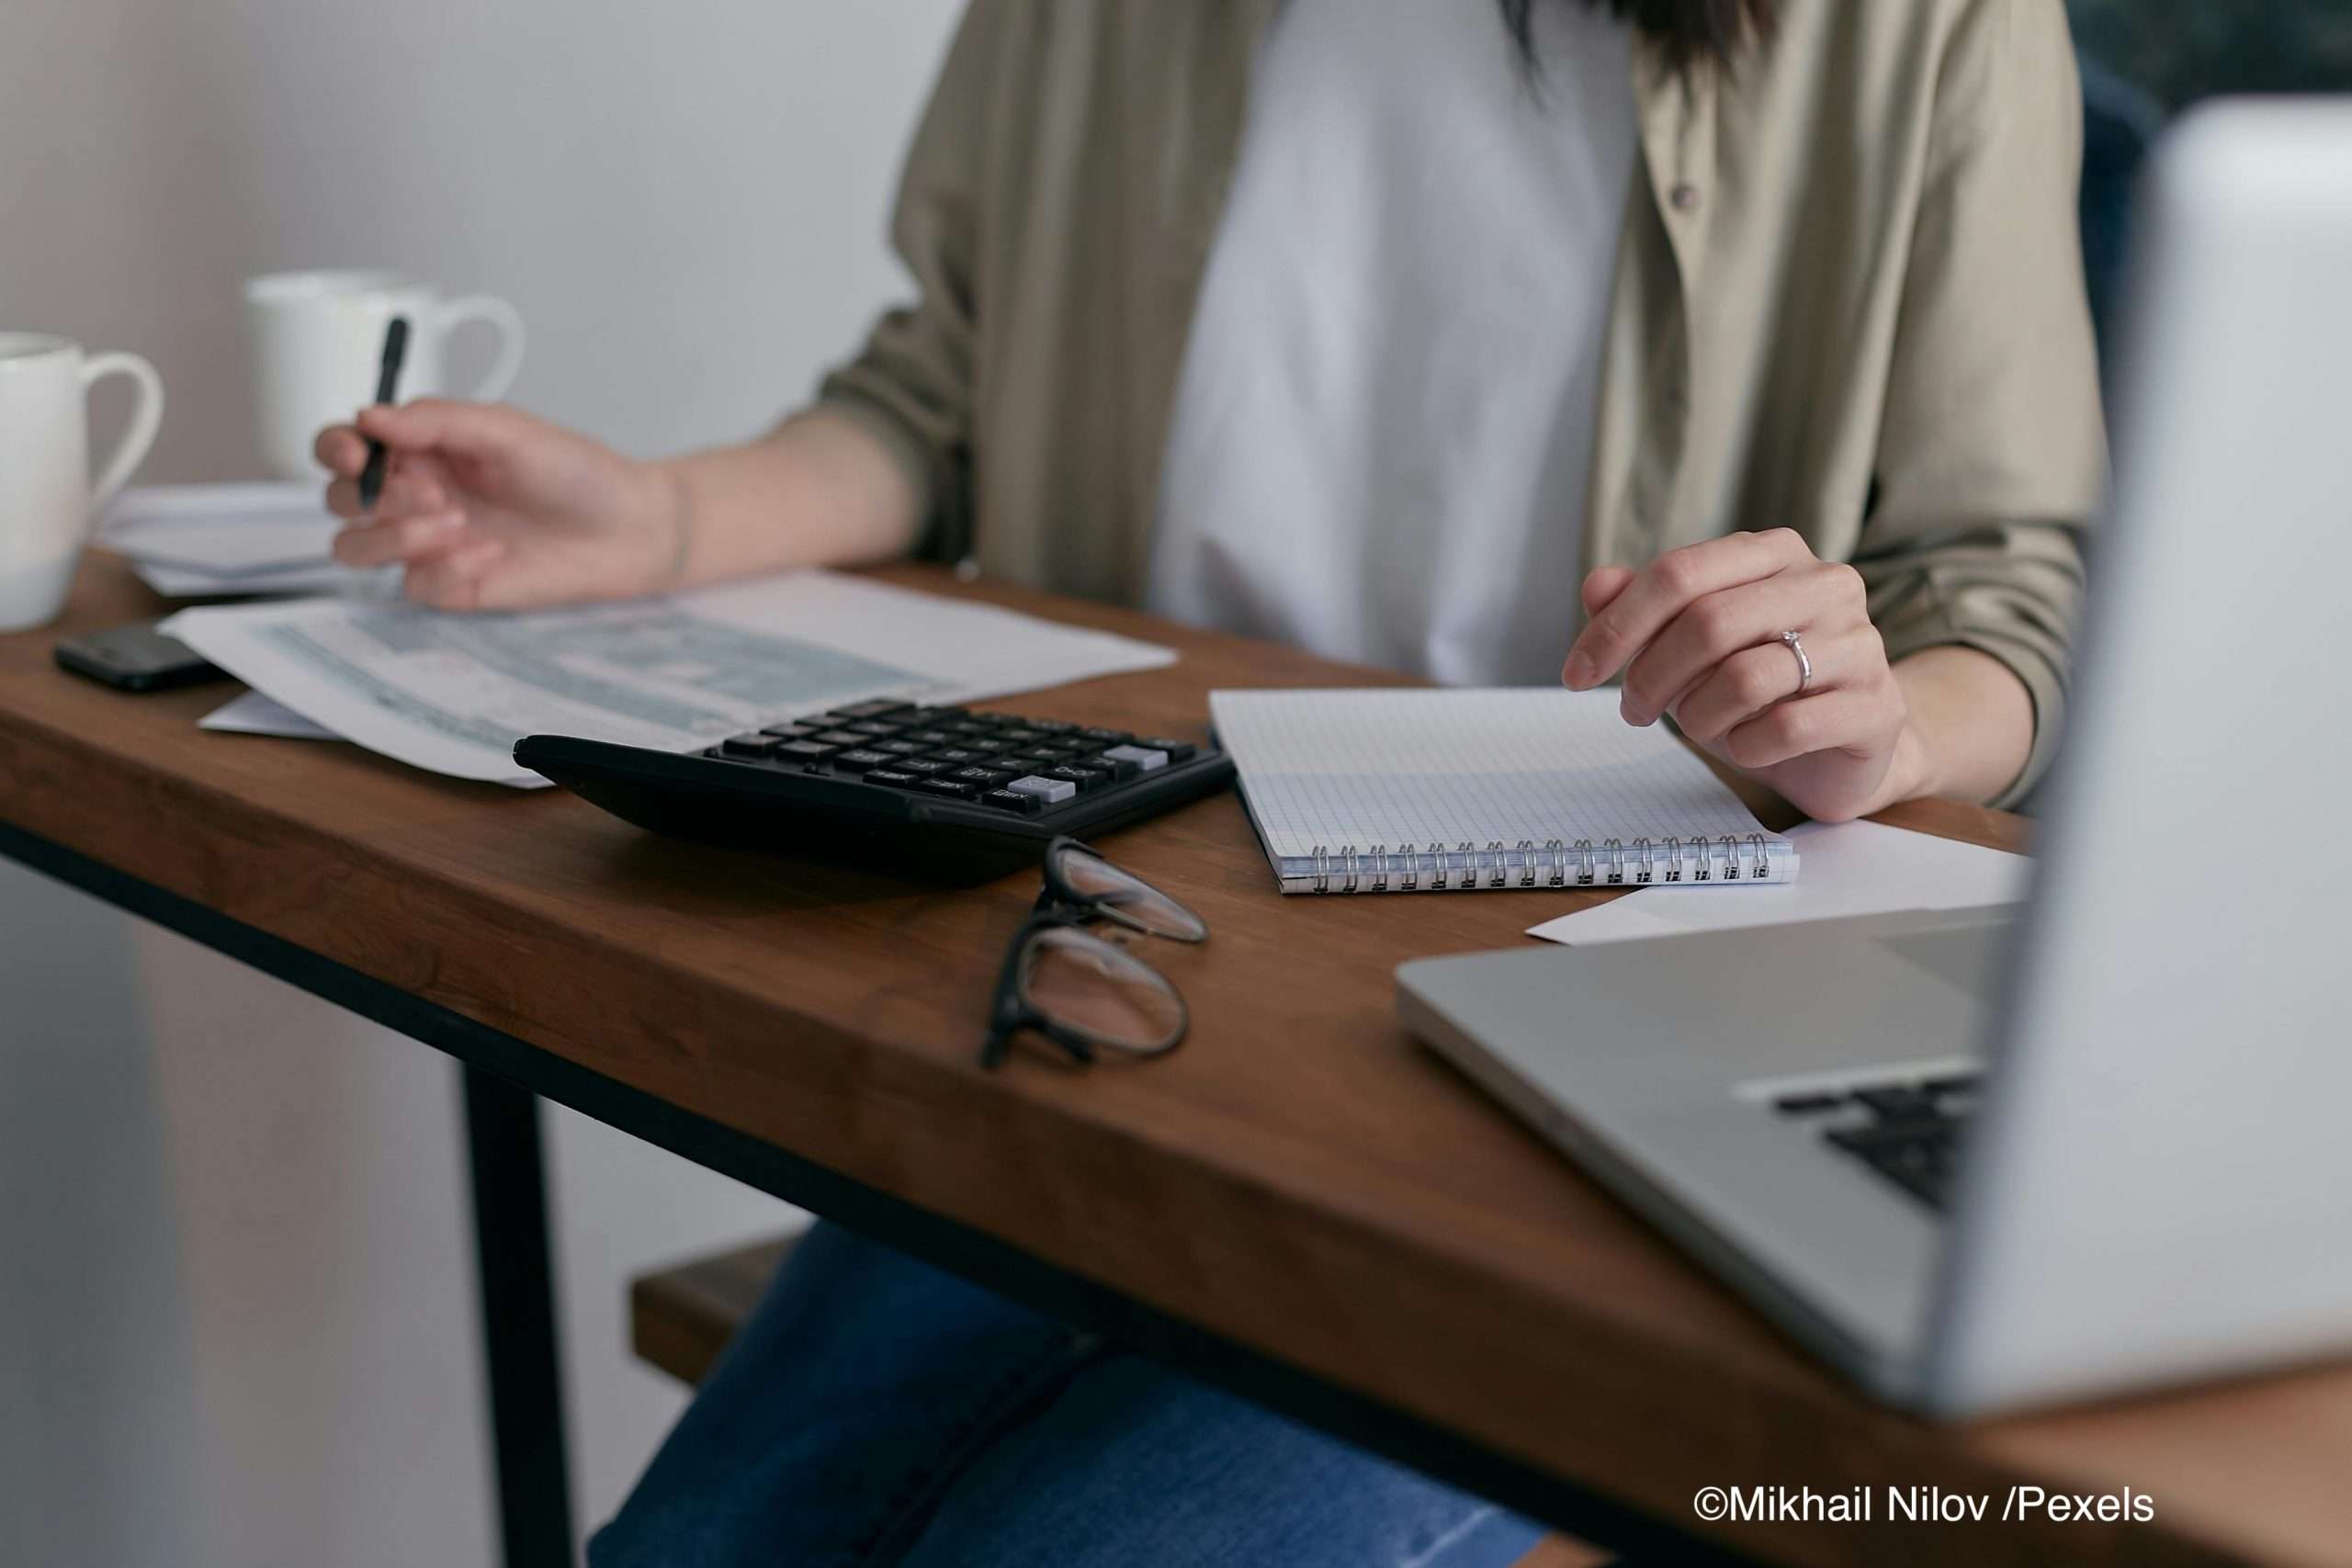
x,y
225,530
178,582
453,692
1851,868
255,714
192,541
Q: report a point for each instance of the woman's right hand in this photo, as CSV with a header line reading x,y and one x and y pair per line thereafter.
x,y
490,508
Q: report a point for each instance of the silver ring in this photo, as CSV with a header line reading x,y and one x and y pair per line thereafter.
x,y
1805,665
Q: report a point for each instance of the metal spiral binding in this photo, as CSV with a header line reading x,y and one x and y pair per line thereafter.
x,y
1613,863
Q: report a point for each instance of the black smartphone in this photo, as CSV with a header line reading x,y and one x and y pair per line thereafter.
x,y
135,658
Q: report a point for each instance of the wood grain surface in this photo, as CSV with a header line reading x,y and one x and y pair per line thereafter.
x,y
1301,1177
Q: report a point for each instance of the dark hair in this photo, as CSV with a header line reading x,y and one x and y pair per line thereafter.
x,y
1692,31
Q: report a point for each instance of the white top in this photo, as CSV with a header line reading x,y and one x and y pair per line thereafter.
x,y
1385,418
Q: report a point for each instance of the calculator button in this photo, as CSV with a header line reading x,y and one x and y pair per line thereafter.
x,y
1021,735
898,748
1116,766
893,778
1053,792
930,736
1144,757
1065,750
1178,750
841,737
948,787
790,731
750,745
1013,800
959,754
859,760
875,709
1105,736
1052,726
987,747
935,716
923,767
803,751
982,778
875,727
1083,777
1021,764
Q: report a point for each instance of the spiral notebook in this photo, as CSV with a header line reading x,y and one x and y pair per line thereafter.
x,y
1373,791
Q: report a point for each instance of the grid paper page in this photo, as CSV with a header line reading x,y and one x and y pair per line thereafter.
x,y
1357,769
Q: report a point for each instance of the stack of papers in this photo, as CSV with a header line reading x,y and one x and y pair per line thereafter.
x,y
201,541
453,692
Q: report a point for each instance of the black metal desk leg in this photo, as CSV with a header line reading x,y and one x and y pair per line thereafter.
x,y
519,1345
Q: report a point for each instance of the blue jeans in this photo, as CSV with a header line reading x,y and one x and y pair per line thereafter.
x,y
876,1411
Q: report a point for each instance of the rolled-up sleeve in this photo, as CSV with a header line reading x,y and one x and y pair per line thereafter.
x,y
1992,452
911,383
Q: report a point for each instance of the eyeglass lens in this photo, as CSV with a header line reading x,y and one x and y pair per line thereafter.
x,y
1083,983
1090,875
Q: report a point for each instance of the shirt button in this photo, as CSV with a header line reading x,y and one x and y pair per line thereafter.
x,y
968,570
1683,197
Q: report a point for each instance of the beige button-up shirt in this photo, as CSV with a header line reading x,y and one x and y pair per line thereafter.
x,y
1848,300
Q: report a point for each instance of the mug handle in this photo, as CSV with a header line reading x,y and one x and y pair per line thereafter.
x,y
450,314
145,420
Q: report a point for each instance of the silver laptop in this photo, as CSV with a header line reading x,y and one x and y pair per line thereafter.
x,y
2102,1141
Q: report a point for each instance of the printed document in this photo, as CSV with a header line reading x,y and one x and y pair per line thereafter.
x,y
453,692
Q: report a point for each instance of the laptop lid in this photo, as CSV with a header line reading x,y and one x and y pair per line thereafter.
x,y
2161,1184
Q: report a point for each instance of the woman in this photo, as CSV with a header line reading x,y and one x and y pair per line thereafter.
x,y
1374,325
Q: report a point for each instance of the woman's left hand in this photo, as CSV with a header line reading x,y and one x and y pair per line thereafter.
x,y
1697,633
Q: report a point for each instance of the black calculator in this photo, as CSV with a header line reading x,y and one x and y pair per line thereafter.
x,y
942,791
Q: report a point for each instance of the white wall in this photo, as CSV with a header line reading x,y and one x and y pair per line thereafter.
x,y
235,1314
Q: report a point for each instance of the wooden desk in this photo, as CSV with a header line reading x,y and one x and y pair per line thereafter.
x,y
1301,1203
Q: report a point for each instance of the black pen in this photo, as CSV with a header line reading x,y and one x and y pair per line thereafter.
x,y
388,382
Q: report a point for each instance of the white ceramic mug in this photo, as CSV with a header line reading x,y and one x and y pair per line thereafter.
x,y
47,497
318,340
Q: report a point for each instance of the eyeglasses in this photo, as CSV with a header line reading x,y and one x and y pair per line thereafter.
x,y
1084,993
